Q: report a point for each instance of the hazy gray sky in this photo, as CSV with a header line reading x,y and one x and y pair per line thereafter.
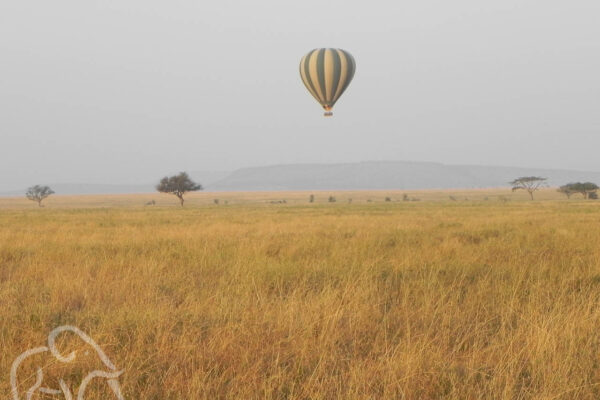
x,y
129,90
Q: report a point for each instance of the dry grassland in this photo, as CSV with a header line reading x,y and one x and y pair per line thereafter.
x,y
431,299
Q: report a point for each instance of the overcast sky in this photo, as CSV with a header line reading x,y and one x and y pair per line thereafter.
x,y
126,91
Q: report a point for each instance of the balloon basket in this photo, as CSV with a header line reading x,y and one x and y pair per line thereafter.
x,y
327,114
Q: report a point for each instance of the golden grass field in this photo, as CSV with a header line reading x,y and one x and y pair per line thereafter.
x,y
430,299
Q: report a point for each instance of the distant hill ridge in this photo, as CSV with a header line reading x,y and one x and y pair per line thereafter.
x,y
368,175
387,175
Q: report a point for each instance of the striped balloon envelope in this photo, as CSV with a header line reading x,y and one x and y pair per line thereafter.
x,y
326,73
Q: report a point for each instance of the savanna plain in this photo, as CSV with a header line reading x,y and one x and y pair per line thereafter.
x,y
459,295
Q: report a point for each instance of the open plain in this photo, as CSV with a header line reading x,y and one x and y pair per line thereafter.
x,y
475,294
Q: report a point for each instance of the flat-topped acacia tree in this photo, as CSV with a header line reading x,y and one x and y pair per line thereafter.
x,y
528,183
587,189
567,190
178,185
38,193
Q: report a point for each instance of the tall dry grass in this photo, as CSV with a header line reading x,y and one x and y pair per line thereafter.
x,y
412,300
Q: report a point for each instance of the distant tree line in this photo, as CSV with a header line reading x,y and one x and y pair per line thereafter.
x,y
180,184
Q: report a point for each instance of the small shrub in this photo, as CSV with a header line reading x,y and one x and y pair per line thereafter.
x,y
388,199
593,196
452,198
216,201
405,197
331,199
311,198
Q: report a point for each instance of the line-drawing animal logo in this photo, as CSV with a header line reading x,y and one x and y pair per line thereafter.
x,y
111,375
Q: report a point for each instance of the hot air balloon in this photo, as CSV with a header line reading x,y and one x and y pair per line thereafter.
x,y
326,73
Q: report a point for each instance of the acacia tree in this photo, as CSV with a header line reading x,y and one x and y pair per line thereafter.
x,y
528,183
567,190
587,189
178,185
38,193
